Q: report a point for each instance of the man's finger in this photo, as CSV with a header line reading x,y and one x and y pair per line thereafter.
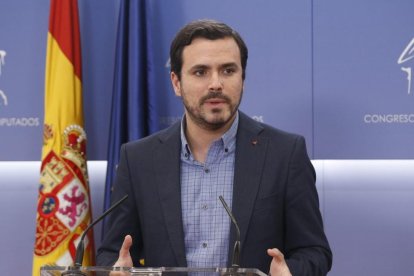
x,y
275,253
126,245
278,266
124,258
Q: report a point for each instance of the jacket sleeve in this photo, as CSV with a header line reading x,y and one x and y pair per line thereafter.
x,y
123,220
307,250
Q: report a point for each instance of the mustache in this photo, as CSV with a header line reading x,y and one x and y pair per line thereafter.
x,y
214,95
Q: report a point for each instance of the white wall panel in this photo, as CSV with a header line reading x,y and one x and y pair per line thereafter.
x,y
367,206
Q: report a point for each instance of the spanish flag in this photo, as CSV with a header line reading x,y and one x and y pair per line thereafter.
x,y
64,205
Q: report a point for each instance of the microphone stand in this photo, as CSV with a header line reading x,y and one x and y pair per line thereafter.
x,y
80,249
235,262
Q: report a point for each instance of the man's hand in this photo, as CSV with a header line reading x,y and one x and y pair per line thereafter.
x,y
278,266
124,259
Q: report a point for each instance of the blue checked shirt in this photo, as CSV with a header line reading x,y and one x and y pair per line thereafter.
x,y
206,223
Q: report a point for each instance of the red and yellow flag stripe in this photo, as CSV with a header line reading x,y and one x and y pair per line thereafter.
x,y
64,208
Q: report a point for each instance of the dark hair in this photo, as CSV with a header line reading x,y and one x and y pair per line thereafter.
x,y
209,29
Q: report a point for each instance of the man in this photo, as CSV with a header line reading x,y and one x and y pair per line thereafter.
x,y
174,178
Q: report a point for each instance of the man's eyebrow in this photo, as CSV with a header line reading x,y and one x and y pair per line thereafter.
x,y
229,64
198,66
204,66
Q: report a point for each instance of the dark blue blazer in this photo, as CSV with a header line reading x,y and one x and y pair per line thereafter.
x,y
274,201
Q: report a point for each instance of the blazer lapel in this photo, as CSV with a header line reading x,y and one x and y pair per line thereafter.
x,y
250,156
167,160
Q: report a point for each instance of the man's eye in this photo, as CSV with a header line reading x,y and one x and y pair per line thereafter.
x,y
229,71
200,73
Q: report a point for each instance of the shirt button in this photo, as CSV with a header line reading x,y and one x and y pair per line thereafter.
x,y
204,244
226,150
204,207
206,170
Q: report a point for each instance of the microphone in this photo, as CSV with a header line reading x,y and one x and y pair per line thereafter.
x,y
80,249
235,262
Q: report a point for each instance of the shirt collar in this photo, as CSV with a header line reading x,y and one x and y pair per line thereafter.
x,y
228,138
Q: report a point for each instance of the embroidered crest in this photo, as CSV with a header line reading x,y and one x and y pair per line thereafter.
x,y
48,205
50,232
74,205
63,197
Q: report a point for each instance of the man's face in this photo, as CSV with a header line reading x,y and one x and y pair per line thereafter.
x,y
211,84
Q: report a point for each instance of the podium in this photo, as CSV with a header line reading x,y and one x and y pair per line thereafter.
x,y
159,271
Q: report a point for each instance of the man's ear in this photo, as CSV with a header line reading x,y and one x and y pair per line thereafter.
x,y
176,83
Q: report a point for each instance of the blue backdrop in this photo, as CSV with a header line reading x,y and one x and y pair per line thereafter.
x,y
337,72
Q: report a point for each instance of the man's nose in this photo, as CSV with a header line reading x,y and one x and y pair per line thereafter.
x,y
216,83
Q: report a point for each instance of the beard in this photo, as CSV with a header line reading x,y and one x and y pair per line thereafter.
x,y
214,118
